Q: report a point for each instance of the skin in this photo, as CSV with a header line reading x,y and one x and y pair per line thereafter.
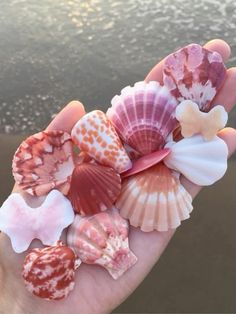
x,y
96,291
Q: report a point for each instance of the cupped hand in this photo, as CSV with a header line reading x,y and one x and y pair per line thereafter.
x,y
95,291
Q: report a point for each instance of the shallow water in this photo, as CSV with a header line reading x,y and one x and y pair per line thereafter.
x,y
54,51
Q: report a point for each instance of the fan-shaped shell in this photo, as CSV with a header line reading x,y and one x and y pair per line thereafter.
x,y
95,135
102,239
202,162
194,73
44,161
49,272
94,188
154,200
143,116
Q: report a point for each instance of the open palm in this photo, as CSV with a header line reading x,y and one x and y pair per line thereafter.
x,y
95,290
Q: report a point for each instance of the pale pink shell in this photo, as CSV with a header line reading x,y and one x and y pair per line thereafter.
x,y
194,73
49,272
23,224
44,161
102,239
143,116
94,188
154,199
95,135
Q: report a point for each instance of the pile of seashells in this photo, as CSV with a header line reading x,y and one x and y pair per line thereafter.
x,y
128,169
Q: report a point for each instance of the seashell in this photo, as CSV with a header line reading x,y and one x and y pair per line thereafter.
x,y
96,136
146,162
154,200
44,161
194,73
102,239
143,116
202,162
49,272
193,121
94,188
23,224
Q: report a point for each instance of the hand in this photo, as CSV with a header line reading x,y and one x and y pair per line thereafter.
x,y
95,290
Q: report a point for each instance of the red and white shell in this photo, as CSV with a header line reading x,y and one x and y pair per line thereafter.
x,y
49,272
102,239
43,162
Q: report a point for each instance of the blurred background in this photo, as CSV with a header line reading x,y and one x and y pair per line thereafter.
x,y
52,52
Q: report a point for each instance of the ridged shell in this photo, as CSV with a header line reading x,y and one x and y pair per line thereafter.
x,y
143,116
102,239
49,272
23,224
95,135
94,188
202,162
44,161
154,200
194,73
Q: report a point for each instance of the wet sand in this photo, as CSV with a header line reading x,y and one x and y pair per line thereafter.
x,y
197,273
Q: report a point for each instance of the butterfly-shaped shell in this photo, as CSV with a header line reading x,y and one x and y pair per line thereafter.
x,y
102,239
94,188
49,272
154,199
44,161
194,73
23,224
202,162
143,116
95,135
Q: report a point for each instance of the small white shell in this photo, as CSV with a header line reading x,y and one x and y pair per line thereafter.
x,y
202,162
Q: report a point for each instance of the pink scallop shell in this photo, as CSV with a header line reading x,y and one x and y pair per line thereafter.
x,y
102,239
44,161
49,272
143,116
146,162
194,73
154,199
95,135
94,188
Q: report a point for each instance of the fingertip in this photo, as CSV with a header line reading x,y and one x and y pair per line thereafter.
x,y
67,117
219,46
229,136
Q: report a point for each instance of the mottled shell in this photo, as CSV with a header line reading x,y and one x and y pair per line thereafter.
x,y
49,272
154,200
102,239
194,73
143,116
44,161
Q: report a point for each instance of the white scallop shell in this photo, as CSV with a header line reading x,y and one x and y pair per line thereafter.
x,y
202,162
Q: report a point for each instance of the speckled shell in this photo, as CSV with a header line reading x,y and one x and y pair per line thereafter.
x,y
194,73
143,116
102,239
23,224
44,161
94,188
49,272
95,135
154,200
202,162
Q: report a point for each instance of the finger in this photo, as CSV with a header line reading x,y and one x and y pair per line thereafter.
x,y
67,117
227,94
229,136
214,45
